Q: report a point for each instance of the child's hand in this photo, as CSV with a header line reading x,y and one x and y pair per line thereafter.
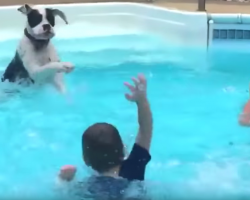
x,y
244,118
139,90
67,172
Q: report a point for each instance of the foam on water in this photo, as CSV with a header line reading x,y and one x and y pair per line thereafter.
x,y
198,146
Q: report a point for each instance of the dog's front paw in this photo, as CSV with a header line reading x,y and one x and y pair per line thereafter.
x,y
67,67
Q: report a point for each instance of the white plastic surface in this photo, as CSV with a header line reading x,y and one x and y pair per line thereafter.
x,y
178,27
229,22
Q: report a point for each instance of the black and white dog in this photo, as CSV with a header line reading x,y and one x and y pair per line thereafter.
x,y
36,60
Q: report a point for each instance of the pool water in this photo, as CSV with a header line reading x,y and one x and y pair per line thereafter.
x,y
197,145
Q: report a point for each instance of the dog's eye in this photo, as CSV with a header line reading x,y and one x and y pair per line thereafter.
x,y
34,18
51,20
50,16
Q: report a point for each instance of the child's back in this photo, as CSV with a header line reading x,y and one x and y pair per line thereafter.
x,y
102,188
103,150
108,188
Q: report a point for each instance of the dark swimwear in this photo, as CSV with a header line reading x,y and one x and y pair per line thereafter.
x,y
133,168
109,188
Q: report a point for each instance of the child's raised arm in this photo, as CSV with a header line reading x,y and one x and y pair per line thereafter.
x,y
139,95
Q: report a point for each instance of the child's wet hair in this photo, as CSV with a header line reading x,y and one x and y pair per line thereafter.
x,y
102,147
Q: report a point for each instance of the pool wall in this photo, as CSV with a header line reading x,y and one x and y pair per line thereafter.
x,y
176,27
113,18
229,29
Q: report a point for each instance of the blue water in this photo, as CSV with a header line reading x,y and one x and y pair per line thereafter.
x,y
198,146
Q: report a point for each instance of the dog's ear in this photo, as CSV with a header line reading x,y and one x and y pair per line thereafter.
x,y
25,9
57,12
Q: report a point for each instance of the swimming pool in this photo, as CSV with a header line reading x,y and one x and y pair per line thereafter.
x,y
197,146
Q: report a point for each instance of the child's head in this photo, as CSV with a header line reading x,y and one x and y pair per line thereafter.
x,y
102,147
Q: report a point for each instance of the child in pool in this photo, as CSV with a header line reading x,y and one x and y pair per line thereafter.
x,y
103,149
244,118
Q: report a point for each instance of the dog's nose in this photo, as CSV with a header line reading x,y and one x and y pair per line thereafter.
x,y
46,27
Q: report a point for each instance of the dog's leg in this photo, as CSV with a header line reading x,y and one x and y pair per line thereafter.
x,y
41,72
45,70
59,83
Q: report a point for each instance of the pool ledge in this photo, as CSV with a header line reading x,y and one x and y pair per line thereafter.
x,y
176,26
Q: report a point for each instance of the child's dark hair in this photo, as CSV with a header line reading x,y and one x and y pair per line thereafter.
x,y
102,147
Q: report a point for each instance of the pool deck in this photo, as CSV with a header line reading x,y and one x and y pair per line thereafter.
x,y
212,6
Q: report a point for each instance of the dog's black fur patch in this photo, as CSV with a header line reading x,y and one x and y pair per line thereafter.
x,y
16,72
35,18
50,16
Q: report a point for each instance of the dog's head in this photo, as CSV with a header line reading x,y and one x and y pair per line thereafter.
x,y
40,21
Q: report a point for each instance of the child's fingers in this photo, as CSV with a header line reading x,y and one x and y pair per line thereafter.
x,y
142,78
129,97
130,87
65,167
136,82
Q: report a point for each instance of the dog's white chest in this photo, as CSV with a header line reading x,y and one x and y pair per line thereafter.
x,y
34,57
45,56
40,57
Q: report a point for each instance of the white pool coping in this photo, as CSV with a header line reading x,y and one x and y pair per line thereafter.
x,y
90,19
177,27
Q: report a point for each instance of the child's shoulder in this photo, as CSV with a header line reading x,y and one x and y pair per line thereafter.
x,y
133,168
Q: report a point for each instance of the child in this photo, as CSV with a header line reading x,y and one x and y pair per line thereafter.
x,y
103,149
244,118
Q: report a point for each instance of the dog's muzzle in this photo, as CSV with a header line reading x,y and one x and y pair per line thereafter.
x,y
46,27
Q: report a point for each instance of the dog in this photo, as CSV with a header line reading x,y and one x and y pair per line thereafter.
x,y
36,60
